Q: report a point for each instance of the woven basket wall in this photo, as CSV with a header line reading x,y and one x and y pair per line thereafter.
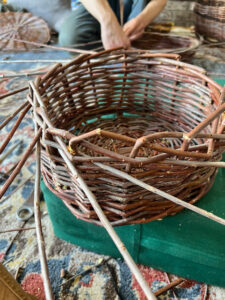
x,y
210,19
128,110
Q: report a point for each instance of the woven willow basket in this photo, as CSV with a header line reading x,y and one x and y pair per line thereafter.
x,y
210,19
157,42
148,115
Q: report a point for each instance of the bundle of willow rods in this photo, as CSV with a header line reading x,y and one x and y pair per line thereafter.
x,y
210,19
154,118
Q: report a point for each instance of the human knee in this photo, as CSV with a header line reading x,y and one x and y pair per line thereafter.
x,y
78,28
69,33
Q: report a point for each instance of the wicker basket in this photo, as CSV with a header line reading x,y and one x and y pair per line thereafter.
x,y
148,115
167,43
210,19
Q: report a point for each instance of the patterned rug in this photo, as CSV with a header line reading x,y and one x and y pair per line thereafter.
x,y
75,273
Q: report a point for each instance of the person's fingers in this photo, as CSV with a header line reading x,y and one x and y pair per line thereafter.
x,y
127,45
128,29
135,36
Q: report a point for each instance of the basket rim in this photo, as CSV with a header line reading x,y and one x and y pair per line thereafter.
x,y
173,58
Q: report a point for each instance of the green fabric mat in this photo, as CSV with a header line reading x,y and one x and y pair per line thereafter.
x,y
187,244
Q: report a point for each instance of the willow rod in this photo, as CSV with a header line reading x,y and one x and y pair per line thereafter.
x,y
188,163
161,193
9,118
39,233
21,74
20,164
17,229
33,61
169,286
13,130
13,92
51,47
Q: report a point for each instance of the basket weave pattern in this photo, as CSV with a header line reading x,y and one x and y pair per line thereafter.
x,y
132,111
210,19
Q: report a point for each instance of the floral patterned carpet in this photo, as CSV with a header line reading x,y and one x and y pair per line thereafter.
x,y
88,276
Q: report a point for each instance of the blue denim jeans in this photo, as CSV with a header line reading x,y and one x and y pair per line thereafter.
x,y
81,27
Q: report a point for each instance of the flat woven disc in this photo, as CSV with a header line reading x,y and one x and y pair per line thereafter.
x,y
21,26
166,43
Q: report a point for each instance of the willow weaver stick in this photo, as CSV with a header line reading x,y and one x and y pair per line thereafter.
x,y
20,164
9,118
5,155
13,93
33,61
217,164
22,74
150,188
51,47
13,130
169,286
104,261
13,239
169,281
16,189
17,229
39,233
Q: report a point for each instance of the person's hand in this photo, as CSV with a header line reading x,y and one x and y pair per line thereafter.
x,y
113,36
134,28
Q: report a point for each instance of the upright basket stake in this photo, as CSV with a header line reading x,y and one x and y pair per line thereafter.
x,y
40,238
37,216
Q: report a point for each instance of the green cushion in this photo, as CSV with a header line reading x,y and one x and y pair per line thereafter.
x,y
187,244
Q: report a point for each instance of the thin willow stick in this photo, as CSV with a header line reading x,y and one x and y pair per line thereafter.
x,y
13,239
5,155
39,233
34,61
16,189
22,74
13,93
169,281
165,195
9,118
169,286
17,229
86,271
20,164
216,164
13,130
51,47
